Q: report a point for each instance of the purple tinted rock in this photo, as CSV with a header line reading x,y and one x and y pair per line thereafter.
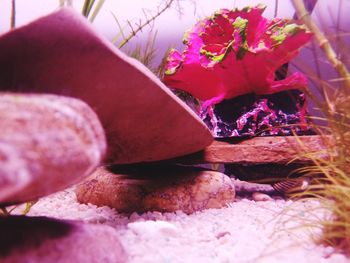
x,y
62,54
250,115
42,240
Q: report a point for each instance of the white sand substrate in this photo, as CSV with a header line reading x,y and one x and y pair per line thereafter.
x,y
244,231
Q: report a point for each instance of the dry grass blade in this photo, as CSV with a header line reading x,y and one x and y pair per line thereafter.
x,y
3,211
87,7
331,171
148,21
63,3
323,42
96,10
145,53
7,211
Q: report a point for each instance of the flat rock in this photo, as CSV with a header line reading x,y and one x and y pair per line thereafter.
x,y
257,150
47,143
62,54
41,239
157,188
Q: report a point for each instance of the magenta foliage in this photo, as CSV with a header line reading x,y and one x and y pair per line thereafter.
x,y
236,52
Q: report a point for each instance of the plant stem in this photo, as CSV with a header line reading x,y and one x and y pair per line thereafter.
x,y
13,14
322,41
87,7
96,10
66,3
147,22
276,8
3,211
28,207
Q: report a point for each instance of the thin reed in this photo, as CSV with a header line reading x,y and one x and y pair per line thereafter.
x,y
331,169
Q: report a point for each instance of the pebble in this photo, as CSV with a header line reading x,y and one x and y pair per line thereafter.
x,y
261,197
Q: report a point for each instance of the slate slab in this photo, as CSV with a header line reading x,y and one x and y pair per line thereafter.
x,y
257,150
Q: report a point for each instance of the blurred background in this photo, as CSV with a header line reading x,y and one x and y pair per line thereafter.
x,y
169,26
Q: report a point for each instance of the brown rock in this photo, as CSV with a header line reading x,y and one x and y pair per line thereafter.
x,y
62,54
198,191
257,150
158,188
41,239
47,143
120,191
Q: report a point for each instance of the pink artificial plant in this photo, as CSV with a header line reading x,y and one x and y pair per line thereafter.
x,y
236,52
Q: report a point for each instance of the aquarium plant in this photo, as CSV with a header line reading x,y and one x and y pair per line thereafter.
x,y
331,168
235,53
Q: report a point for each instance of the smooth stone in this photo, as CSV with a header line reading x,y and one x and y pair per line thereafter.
x,y
158,188
41,239
261,197
47,143
62,54
154,228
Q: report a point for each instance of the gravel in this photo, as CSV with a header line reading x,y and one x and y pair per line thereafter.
x,y
245,231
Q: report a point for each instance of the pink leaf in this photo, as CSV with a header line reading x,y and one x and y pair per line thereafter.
x,y
236,52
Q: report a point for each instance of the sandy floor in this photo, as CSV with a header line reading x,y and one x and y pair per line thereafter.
x,y
245,231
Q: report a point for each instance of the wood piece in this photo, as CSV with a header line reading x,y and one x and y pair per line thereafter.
x,y
47,143
62,54
257,150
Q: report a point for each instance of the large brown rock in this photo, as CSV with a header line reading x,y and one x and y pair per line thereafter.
x,y
44,240
47,143
158,188
62,54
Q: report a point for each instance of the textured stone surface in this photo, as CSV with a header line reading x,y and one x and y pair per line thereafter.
x,y
257,150
41,239
62,54
197,192
282,113
118,191
164,189
47,143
